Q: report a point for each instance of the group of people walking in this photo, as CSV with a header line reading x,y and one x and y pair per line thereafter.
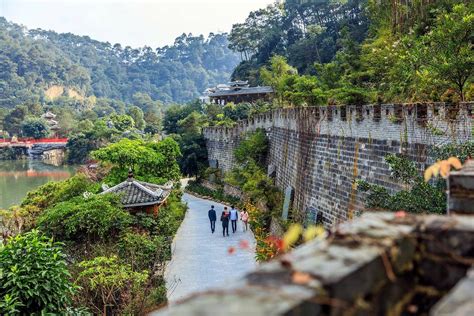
x,y
227,216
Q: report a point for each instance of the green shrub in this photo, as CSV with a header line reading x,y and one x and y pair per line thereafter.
x,y
145,222
417,197
157,295
253,147
141,251
171,215
150,161
35,127
99,217
109,287
53,192
217,195
255,183
462,151
33,276
350,95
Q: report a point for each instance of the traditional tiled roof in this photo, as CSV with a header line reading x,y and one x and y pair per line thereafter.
x,y
249,90
135,193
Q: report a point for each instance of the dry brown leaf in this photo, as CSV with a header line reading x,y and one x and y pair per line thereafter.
x,y
302,278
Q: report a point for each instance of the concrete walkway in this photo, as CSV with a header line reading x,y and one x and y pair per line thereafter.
x,y
201,260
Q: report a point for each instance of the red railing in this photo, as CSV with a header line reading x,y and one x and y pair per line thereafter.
x,y
34,141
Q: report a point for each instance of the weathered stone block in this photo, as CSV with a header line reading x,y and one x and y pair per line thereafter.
x,y
377,265
459,301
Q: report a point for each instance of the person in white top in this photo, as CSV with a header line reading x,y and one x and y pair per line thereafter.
x,y
234,216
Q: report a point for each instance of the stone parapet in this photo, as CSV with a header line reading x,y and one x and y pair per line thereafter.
x,y
384,121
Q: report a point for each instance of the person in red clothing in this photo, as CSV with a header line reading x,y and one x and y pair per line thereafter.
x,y
225,217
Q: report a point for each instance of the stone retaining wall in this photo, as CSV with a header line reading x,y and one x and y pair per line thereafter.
x,y
233,191
209,185
321,151
37,150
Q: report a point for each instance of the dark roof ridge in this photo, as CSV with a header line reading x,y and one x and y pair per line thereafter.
x,y
142,187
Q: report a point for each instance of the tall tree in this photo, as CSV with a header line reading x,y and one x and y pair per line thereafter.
x,y
450,46
35,127
137,115
13,120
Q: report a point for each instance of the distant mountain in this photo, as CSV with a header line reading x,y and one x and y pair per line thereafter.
x,y
33,61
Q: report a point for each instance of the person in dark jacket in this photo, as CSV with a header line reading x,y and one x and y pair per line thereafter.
x,y
212,218
225,217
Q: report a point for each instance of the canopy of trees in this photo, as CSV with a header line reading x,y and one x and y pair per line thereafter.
x,y
150,161
304,31
359,51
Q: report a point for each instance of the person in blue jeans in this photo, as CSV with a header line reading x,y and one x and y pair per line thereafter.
x,y
212,218
234,216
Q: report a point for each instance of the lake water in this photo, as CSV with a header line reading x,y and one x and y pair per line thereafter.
x,y
20,176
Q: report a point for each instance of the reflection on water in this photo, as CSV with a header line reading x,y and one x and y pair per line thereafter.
x,y
20,176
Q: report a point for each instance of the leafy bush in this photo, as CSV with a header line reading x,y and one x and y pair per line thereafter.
x,y
255,183
418,197
99,217
33,276
54,192
463,151
171,215
78,148
145,223
402,169
259,190
217,195
141,251
349,95
109,287
253,147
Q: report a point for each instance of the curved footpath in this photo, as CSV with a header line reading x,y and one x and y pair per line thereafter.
x,y
202,260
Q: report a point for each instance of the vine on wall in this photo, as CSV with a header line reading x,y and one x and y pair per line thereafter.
x,y
418,195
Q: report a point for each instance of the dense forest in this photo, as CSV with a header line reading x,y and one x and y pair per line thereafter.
x,y
31,61
304,31
358,51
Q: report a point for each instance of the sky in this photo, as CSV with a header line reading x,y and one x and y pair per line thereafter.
x,y
130,22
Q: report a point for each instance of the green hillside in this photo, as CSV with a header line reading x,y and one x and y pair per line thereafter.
x,y
31,61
